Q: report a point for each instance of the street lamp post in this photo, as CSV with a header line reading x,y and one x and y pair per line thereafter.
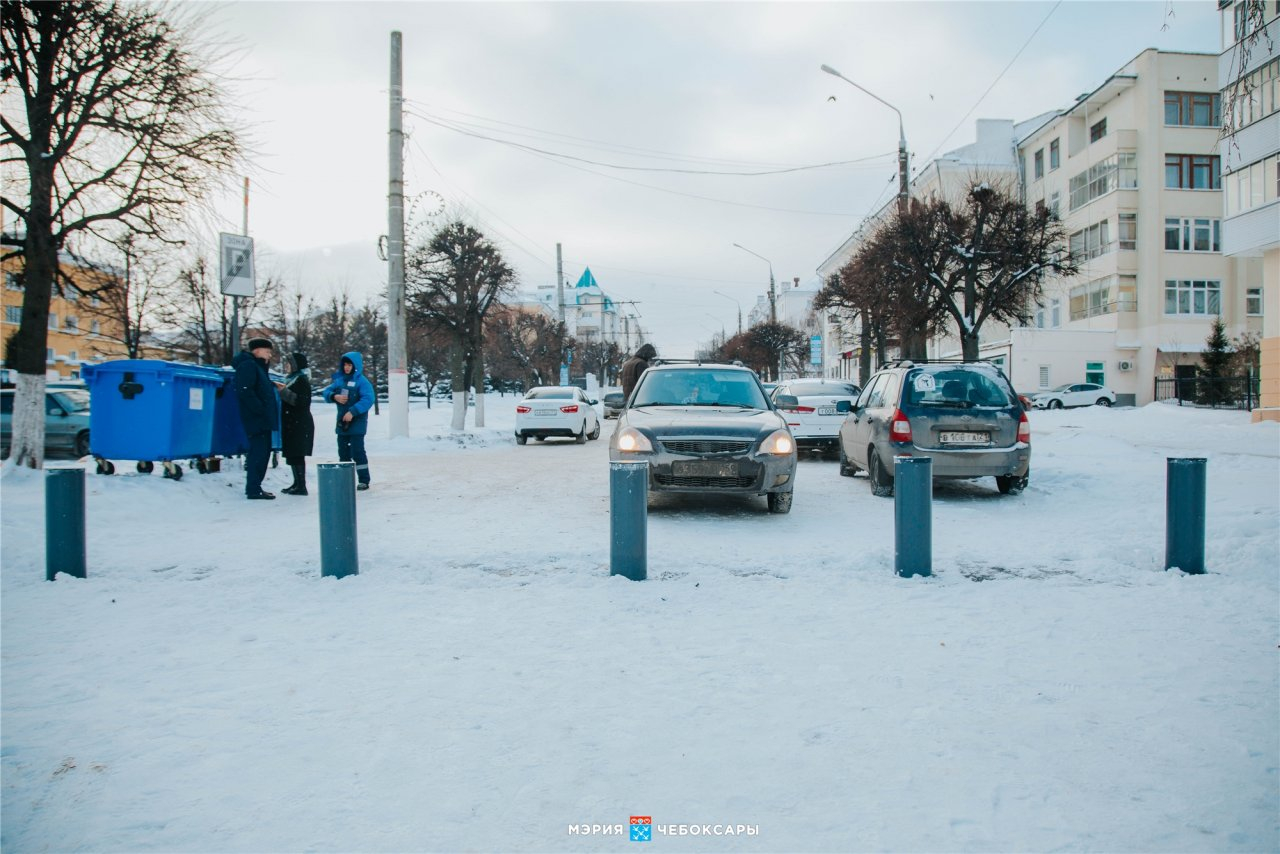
x,y
738,304
902,138
773,298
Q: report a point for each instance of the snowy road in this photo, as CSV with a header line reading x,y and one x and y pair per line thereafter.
x,y
484,685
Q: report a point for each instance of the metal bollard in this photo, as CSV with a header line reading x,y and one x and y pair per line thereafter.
x,y
338,519
64,523
1184,514
628,519
912,516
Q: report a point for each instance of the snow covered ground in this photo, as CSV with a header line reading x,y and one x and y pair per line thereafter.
x,y
484,685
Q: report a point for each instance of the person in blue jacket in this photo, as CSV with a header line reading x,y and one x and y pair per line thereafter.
x,y
354,396
259,411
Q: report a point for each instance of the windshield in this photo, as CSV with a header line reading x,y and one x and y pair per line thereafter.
x,y
1066,387
803,389
708,387
73,400
550,394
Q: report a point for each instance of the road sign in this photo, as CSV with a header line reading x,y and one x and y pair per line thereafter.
x,y
815,349
235,254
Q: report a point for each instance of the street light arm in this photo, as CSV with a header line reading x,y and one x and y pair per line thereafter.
x,y
902,136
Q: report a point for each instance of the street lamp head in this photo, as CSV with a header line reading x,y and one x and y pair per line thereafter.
x,y
830,70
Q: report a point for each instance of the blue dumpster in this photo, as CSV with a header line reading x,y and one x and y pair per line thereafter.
x,y
229,438
150,411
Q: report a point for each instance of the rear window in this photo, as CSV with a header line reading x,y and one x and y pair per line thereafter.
x,y
699,388
802,389
947,386
551,394
74,400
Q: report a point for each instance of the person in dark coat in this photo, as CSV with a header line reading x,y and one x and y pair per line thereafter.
x,y
635,366
353,394
259,411
297,428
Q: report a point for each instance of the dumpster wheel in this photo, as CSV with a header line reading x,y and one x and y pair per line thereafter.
x,y
146,467
106,467
202,467
173,471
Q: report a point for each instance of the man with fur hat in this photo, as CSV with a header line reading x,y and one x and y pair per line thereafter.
x,y
259,411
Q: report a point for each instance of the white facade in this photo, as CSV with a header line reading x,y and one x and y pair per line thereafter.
x,y
590,314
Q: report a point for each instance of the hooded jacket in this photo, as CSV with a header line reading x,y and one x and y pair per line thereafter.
x,y
259,411
297,428
359,396
634,367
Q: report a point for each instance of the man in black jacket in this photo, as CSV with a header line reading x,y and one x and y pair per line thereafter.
x,y
635,366
259,411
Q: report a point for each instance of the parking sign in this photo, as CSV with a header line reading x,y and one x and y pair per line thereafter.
x,y
235,254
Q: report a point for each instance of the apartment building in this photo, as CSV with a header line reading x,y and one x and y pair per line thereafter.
x,y
80,330
1249,77
590,314
1134,172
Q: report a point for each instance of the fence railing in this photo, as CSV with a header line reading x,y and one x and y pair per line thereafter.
x,y
1215,392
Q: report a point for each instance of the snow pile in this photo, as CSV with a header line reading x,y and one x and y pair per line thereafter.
x,y
484,684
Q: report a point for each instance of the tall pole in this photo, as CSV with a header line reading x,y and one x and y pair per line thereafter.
x,y
397,368
773,299
235,301
559,284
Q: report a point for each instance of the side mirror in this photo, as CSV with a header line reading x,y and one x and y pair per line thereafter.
x,y
786,401
844,406
592,401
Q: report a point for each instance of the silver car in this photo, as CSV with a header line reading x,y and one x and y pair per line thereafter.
x,y
66,419
707,428
965,416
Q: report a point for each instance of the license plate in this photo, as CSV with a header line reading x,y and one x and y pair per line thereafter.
x,y
826,410
703,468
955,438
542,412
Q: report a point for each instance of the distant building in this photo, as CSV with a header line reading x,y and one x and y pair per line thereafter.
x,y
1250,155
590,314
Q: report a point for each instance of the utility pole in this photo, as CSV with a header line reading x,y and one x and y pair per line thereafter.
x,y
235,301
397,367
560,283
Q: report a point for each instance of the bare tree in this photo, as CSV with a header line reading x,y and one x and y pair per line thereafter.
x,y
525,346
452,283
118,123
196,308
129,300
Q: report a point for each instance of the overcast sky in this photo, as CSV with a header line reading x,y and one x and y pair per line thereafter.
x,y
708,87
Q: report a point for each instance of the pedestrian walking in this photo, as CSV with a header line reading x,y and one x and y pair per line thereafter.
x,y
297,428
635,366
353,395
259,411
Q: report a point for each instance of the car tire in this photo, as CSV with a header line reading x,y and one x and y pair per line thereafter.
x,y
581,438
1011,484
82,444
779,502
847,468
595,434
522,439
1055,404
881,480
1104,401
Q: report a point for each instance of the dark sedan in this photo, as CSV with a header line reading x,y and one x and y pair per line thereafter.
x,y
707,428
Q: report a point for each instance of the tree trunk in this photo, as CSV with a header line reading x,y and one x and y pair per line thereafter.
x,y
864,354
913,345
27,348
971,344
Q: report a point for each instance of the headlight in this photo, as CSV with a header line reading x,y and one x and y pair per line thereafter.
x,y
632,440
779,442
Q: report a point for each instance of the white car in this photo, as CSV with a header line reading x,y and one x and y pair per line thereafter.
x,y
815,409
557,411
1074,394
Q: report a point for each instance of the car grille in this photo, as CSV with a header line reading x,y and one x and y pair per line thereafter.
x,y
705,482
705,446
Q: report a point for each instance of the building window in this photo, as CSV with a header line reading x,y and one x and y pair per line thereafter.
x,y
1055,313
1090,242
1182,234
1055,204
95,328
13,314
1055,156
1106,295
1128,231
1039,164
50,355
1194,297
1256,96
1044,376
1098,131
12,281
1040,207
1093,373
1193,109
1117,172
1193,172
73,356
1253,302
53,320
1252,186
73,323
1039,320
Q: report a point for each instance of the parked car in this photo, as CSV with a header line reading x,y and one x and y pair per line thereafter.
x,y
614,403
1074,394
708,428
66,419
564,411
815,409
965,416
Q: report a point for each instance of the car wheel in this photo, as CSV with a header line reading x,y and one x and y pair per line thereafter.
x,y
1011,484
1055,404
881,480
581,438
82,444
779,502
522,439
1104,401
847,468
595,434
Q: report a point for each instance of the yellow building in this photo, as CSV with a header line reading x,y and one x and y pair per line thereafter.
x,y
80,327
